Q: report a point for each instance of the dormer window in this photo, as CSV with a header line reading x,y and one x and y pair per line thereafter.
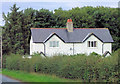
x,y
54,44
92,43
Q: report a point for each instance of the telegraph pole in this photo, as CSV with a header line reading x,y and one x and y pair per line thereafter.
x,y
1,47
1,51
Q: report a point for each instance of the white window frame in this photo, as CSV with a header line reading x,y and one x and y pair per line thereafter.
x,y
54,44
92,44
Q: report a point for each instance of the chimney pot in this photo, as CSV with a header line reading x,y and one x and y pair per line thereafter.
x,y
69,25
68,20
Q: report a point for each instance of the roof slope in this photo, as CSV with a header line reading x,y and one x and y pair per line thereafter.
x,y
78,34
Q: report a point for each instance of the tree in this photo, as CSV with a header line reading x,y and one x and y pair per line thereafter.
x,y
11,31
27,23
44,19
61,17
16,31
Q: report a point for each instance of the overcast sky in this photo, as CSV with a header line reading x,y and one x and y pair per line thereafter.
x,y
53,4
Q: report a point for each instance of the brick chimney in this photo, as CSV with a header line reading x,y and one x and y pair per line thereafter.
x,y
69,25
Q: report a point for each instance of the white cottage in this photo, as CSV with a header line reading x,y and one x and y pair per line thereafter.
x,y
52,41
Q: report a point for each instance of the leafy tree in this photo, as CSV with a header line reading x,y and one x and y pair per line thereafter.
x,y
61,17
12,39
16,31
27,23
44,19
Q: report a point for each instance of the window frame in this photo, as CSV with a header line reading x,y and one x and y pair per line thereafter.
x,y
54,44
92,44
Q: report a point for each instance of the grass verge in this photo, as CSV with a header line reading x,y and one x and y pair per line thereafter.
x,y
34,77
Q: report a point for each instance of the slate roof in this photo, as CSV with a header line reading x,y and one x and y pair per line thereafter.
x,y
78,34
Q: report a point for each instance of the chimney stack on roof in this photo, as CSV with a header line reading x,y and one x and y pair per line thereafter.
x,y
69,25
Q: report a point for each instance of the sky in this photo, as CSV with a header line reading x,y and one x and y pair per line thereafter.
x,y
53,4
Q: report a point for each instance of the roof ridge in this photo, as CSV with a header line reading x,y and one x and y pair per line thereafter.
x,y
90,28
66,28
48,28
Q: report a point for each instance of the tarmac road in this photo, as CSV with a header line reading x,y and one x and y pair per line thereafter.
x,y
7,80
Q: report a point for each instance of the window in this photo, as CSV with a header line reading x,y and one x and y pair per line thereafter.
x,y
92,44
95,44
54,43
88,43
57,43
51,44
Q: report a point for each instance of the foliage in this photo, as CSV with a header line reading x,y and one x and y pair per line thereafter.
x,y
91,68
16,31
93,53
14,63
44,19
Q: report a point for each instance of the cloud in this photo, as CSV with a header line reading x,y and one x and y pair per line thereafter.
x,y
39,0
67,4
1,20
60,1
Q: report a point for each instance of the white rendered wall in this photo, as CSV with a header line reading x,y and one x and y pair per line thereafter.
x,y
79,48
107,47
67,48
64,48
83,48
97,49
36,47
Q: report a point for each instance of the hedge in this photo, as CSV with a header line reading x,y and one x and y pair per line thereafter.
x,y
92,68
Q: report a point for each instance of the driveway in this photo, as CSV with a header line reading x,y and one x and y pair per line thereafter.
x,y
7,80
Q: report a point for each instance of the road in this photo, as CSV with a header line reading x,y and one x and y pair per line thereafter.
x,y
7,80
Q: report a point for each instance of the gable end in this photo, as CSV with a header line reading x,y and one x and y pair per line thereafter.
x,y
51,36
90,34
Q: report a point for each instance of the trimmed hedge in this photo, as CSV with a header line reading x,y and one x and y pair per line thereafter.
x,y
92,68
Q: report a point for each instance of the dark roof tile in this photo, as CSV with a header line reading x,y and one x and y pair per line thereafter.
x,y
78,34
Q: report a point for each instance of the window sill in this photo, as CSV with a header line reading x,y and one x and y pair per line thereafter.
x,y
92,47
53,47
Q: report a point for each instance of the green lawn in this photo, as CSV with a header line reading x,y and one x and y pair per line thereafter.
x,y
34,77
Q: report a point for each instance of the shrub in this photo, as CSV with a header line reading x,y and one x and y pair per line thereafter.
x,y
94,53
25,65
13,62
91,68
4,61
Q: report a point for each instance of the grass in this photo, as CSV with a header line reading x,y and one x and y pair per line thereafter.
x,y
34,77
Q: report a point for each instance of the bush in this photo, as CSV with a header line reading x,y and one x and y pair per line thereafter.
x,y
94,53
13,62
92,68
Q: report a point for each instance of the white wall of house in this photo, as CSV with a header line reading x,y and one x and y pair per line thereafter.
x,y
67,48
64,48
107,47
83,47
100,49
36,47
97,49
